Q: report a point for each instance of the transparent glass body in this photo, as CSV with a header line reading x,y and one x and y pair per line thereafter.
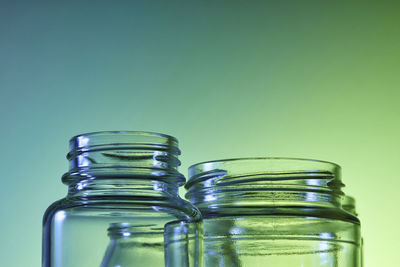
x,y
274,212
122,208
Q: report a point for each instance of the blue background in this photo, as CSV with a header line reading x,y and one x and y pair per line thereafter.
x,y
313,79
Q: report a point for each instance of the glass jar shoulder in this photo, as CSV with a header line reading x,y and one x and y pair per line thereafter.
x,y
172,209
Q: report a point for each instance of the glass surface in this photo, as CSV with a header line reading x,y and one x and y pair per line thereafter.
x,y
122,208
275,212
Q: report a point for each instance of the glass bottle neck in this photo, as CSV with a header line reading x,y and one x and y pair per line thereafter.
x,y
135,164
264,185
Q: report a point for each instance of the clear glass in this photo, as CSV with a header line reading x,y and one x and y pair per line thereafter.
x,y
122,208
275,212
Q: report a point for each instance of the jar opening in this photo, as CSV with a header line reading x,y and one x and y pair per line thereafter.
x,y
262,169
264,183
108,140
126,153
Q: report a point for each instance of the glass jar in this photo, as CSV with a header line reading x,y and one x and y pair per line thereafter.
x,y
122,208
274,212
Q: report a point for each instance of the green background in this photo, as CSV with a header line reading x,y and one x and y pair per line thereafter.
x,y
313,79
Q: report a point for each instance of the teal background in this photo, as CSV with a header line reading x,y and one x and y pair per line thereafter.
x,y
313,79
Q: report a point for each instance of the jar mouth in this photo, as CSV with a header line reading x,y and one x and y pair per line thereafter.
x,y
276,167
126,153
109,139
127,133
265,159
269,183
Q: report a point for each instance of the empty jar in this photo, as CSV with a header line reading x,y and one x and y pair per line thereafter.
x,y
274,212
122,208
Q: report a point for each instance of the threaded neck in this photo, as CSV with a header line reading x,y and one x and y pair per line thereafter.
x,y
128,154
263,184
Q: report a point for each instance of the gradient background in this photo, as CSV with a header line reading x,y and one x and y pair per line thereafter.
x,y
316,79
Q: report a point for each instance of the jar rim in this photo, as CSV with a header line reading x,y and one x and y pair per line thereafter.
x,y
127,132
237,167
129,153
265,159
110,139
272,185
